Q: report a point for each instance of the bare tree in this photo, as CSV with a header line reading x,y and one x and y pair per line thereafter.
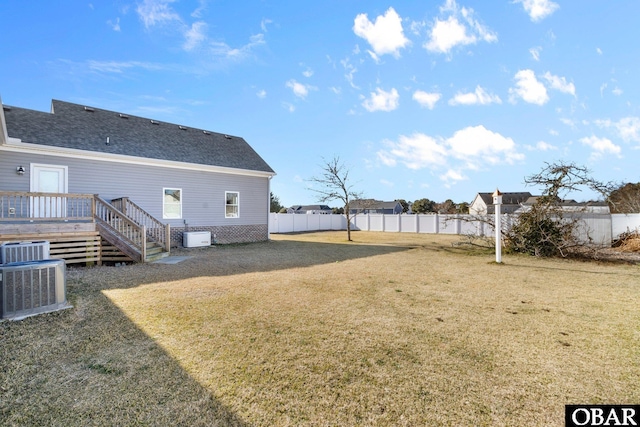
x,y
335,184
625,198
546,228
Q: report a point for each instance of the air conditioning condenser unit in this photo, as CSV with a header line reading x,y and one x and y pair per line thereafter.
x,y
30,288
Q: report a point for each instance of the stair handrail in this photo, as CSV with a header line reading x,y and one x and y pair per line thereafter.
x,y
121,226
156,230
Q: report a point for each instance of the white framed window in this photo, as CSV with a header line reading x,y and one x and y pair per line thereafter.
x,y
171,203
232,204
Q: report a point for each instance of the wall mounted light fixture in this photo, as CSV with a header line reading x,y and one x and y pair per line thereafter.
x,y
20,170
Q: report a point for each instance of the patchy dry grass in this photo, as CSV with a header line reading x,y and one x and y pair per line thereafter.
x,y
391,329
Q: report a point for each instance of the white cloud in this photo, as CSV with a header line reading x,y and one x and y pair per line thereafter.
x,y
222,49
426,99
154,12
120,67
415,152
600,146
386,183
458,28
381,100
560,83
159,12
262,94
115,26
471,148
538,9
299,89
568,122
308,72
478,146
453,176
385,36
529,88
289,107
195,35
628,128
264,23
542,146
478,97
535,53
350,72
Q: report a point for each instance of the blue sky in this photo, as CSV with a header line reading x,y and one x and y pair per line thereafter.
x,y
436,99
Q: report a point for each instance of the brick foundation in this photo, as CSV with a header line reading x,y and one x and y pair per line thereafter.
x,y
226,234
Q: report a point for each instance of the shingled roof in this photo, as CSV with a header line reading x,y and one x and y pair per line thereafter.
x,y
102,131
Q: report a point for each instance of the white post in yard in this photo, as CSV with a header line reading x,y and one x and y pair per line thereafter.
x,y
497,202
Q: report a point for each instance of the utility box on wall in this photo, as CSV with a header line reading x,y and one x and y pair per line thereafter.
x,y
195,239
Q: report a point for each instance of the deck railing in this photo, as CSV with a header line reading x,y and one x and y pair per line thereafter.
x,y
31,206
156,231
123,223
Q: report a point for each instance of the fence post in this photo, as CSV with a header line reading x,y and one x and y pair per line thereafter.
x,y
436,224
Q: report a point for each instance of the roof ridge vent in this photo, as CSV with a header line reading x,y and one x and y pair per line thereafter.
x,y
154,122
206,132
123,116
228,136
182,127
89,109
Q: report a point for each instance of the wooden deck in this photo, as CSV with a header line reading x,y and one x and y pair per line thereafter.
x,y
82,228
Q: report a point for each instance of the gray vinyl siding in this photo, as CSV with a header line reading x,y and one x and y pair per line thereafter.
x,y
203,193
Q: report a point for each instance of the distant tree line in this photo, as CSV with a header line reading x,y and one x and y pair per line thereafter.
x,y
425,206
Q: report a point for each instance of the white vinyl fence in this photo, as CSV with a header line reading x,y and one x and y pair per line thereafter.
x,y
601,228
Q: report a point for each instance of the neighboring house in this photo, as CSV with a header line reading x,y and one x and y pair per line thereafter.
x,y
375,207
483,203
188,179
570,205
310,209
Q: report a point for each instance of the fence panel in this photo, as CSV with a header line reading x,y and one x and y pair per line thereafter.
x,y
599,228
408,223
622,223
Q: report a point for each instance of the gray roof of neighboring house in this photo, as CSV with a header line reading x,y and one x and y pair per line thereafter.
x,y
507,198
372,204
87,128
304,208
568,202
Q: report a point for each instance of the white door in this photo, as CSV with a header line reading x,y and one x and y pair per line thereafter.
x,y
48,179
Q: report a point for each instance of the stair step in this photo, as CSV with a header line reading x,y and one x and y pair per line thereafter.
x,y
157,256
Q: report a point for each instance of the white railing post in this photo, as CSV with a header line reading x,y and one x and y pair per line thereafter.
x,y
497,201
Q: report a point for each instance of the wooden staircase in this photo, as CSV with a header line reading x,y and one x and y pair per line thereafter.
x,y
132,230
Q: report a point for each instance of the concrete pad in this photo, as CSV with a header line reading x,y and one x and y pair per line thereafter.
x,y
171,260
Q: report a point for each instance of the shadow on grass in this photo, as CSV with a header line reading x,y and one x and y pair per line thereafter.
x,y
92,366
